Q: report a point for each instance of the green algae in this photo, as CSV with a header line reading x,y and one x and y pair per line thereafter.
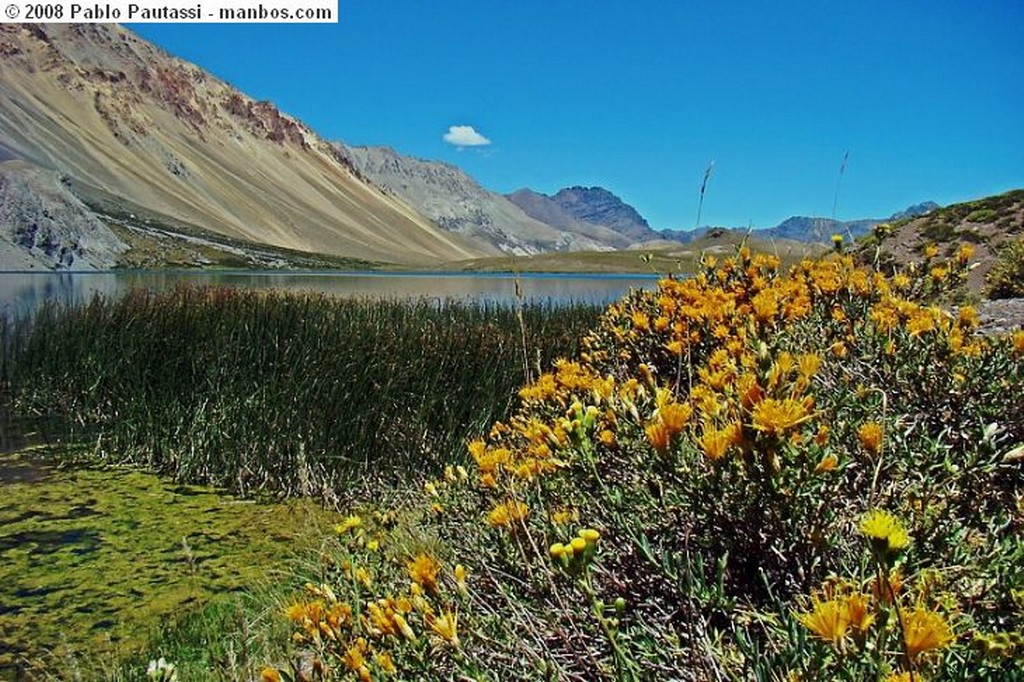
x,y
93,559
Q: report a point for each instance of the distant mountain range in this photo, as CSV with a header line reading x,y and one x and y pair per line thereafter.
x,y
108,146
457,203
573,219
806,229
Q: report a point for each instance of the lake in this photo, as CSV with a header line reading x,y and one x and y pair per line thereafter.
x,y
22,292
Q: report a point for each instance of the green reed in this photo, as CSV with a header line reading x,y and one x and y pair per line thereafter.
x,y
258,391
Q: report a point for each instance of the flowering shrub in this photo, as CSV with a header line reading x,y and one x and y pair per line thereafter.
x,y
1006,278
661,506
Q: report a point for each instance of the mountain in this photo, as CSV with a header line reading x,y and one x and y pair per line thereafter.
x,y
806,229
915,210
457,203
599,206
136,132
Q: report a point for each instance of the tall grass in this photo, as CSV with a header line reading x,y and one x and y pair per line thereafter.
x,y
257,391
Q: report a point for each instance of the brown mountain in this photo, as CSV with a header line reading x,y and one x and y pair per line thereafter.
x,y
137,131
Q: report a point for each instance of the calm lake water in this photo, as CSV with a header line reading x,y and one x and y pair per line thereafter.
x,y
22,292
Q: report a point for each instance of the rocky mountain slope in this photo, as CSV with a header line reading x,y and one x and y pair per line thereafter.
x,y
138,131
986,224
44,226
599,206
456,202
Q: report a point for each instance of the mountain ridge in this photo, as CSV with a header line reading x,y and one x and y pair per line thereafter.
x,y
456,202
125,119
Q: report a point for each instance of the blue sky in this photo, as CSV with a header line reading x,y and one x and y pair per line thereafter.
x,y
639,96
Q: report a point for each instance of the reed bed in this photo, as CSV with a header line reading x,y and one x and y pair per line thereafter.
x,y
270,391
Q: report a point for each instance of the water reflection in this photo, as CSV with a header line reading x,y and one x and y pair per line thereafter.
x,y
24,292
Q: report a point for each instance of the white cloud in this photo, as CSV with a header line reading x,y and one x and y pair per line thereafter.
x,y
465,136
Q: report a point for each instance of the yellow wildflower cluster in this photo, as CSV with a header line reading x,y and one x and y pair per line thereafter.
x,y
831,619
507,513
691,368
356,627
732,376
321,618
578,551
848,611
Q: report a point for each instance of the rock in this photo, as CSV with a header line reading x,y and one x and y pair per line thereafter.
x,y
44,226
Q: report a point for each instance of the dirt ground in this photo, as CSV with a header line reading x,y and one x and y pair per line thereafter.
x,y
1002,316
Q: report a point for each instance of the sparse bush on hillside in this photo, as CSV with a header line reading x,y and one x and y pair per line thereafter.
x,y
1006,278
982,215
746,475
939,230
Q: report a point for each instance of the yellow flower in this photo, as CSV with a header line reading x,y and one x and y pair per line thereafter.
x,y
884,530
968,317
423,570
269,674
607,438
403,627
557,550
920,322
931,251
809,364
460,573
350,523
579,545
1018,342
925,630
507,513
641,321
674,416
363,577
563,516
385,663
714,442
870,436
590,536
446,626
354,658
857,613
828,620
827,463
778,416
658,436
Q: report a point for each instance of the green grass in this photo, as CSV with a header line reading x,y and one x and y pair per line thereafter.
x,y
291,394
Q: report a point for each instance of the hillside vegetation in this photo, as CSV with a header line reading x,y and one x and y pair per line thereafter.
x,y
991,226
